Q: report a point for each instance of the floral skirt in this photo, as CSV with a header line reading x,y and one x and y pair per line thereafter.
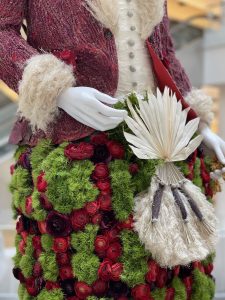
x,y
75,239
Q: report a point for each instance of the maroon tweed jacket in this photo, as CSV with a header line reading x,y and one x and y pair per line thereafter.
x,y
68,30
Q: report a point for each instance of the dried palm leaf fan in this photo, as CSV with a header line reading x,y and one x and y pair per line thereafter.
x,y
173,218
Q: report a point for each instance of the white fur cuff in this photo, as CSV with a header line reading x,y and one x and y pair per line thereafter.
x,y
201,104
44,78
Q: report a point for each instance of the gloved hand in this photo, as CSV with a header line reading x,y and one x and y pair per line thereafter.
x,y
88,106
215,143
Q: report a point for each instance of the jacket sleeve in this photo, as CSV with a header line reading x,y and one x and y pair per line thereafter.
x,y
38,78
163,43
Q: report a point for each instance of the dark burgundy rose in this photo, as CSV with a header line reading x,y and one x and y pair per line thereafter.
x,y
24,160
68,287
79,151
58,225
17,273
101,154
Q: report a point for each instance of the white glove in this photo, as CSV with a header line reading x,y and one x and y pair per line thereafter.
x,y
88,106
215,143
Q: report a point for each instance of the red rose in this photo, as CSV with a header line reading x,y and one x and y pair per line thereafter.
x,y
82,289
24,235
104,185
170,294
41,183
45,202
176,270
99,138
116,149
51,285
66,272
37,253
141,292
36,241
58,225
42,227
37,269
99,287
20,225
128,224
12,169
113,235
79,219
101,243
62,259
208,269
79,151
22,246
101,171
92,207
28,205
116,272
60,245
133,169
105,202
114,251
161,279
105,270
96,219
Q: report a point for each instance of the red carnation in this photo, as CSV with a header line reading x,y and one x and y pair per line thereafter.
x,y
105,202
101,243
79,219
99,287
101,171
42,227
170,294
41,183
104,185
92,207
79,151
36,241
60,244
208,269
116,272
133,168
66,272
96,219
22,246
141,292
37,269
99,138
51,285
28,205
105,270
114,251
162,277
82,289
116,149
45,202
62,259
127,224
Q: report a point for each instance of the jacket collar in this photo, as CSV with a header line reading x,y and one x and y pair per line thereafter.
x,y
106,12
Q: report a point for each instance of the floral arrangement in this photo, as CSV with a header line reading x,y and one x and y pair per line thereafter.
x,y
75,239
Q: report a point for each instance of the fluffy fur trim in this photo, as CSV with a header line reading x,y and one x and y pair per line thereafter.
x,y
167,238
44,78
201,104
107,13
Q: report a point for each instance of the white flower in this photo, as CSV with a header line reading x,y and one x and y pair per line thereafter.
x,y
160,130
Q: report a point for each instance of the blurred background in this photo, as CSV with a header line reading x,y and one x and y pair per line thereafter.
x,y
198,29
